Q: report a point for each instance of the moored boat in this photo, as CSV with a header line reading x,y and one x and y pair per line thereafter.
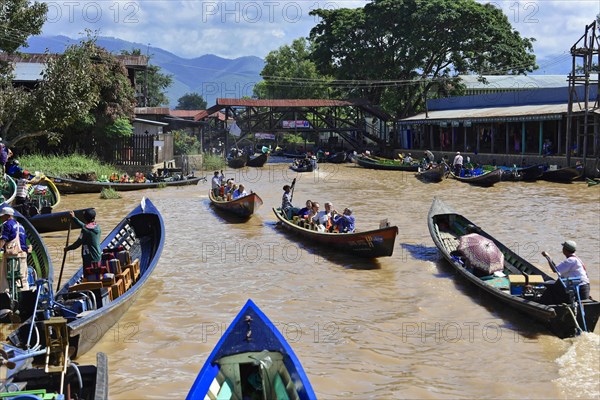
x,y
519,284
369,244
385,164
258,161
481,178
242,207
16,306
593,182
252,360
237,162
67,185
8,188
56,221
92,306
25,379
434,174
562,175
305,165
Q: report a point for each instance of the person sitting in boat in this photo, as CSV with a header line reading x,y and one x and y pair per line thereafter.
x,y
429,166
239,192
572,268
305,211
124,178
229,188
114,177
344,222
408,159
322,219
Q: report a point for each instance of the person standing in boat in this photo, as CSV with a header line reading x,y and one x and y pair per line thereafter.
x,y
457,163
14,243
286,202
571,268
216,182
89,240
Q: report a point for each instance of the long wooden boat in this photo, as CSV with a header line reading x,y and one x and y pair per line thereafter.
x,y
20,307
43,195
28,380
8,189
385,164
56,221
252,360
258,161
237,162
531,173
446,227
336,158
435,174
66,185
562,175
242,207
307,166
368,244
488,178
593,182
93,307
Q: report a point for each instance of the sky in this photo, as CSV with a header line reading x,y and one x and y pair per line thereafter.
x,y
232,29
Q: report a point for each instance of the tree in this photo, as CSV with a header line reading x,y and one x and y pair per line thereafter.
x,y
392,52
82,93
289,73
191,101
153,93
19,19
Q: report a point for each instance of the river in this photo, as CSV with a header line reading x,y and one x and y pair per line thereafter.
x,y
396,327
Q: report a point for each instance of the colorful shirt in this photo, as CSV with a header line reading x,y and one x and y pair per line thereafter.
x,y
9,232
344,223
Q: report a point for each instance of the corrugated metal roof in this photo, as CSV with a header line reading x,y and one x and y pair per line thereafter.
x,y
152,110
285,103
515,113
184,113
514,82
28,71
150,122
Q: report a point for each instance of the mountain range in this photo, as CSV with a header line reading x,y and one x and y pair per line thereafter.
x,y
212,76
208,75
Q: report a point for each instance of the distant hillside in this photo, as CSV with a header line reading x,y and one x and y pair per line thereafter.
x,y
208,75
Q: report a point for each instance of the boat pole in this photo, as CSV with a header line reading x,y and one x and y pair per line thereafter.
x,y
62,267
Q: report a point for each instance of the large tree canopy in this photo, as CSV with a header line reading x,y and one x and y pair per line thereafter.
x,y
289,73
85,90
191,101
19,19
398,49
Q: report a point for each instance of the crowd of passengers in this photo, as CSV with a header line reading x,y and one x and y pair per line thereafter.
x,y
328,220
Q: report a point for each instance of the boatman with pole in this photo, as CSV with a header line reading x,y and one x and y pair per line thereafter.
x,y
571,268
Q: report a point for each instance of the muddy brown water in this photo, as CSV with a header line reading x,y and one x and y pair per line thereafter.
x,y
396,327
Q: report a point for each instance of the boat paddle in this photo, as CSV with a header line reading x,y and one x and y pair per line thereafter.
x,y
293,185
62,267
553,267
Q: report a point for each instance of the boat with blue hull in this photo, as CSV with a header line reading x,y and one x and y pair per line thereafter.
x,y
92,304
252,360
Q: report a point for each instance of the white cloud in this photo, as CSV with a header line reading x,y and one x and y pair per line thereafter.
x,y
236,28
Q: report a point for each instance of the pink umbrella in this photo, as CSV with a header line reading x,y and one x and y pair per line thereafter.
x,y
481,253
